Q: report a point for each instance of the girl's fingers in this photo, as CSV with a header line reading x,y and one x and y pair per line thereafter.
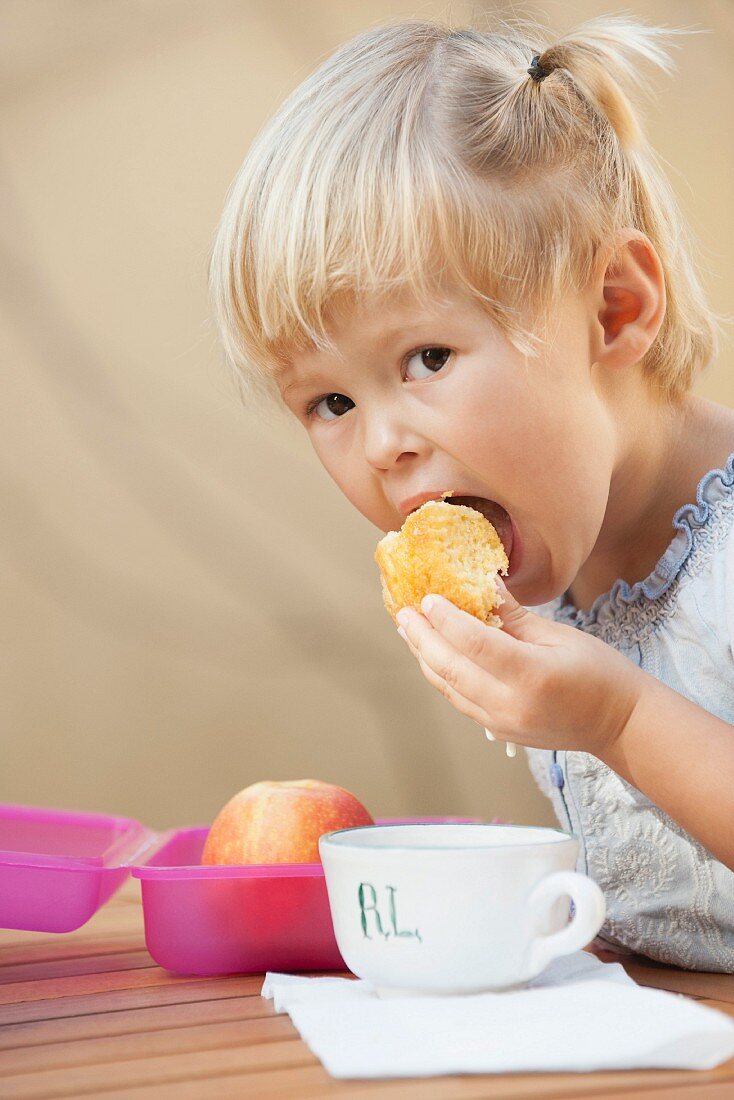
x,y
472,710
407,641
449,668
488,646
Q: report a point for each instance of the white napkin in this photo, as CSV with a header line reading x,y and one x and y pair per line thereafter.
x,y
579,1014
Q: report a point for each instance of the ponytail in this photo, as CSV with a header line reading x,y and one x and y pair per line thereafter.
x,y
604,60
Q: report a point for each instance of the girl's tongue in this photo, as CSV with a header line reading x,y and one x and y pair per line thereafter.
x,y
496,515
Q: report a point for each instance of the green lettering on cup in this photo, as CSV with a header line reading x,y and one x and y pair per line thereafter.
x,y
363,909
394,919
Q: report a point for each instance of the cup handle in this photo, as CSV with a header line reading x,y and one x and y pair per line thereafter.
x,y
589,912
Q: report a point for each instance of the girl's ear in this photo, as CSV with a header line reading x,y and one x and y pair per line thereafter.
x,y
629,302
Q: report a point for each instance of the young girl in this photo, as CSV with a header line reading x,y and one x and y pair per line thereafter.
x,y
454,257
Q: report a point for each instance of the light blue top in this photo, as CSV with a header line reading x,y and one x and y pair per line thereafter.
x,y
667,897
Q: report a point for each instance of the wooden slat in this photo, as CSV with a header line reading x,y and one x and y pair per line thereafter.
x,y
118,920
692,1091
17,954
146,1044
312,1082
656,1086
63,968
692,983
727,1007
182,1066
201,990
80,984
130,1021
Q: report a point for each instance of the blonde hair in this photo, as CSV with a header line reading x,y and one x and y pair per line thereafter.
x,y
416,151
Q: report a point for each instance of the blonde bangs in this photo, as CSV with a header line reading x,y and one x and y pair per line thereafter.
x,y
357,205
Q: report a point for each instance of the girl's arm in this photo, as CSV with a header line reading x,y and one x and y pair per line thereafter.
x,y
547,685
682,758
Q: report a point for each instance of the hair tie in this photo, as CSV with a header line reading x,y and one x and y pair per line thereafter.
x,y
537,71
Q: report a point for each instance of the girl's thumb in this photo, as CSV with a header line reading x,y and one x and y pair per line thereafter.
x,y
517,620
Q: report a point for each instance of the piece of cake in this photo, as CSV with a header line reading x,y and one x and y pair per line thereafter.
x,y
449,549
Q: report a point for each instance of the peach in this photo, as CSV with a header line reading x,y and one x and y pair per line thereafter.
x,y
280,822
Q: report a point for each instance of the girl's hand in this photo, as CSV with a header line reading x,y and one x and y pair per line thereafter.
x,y
535,682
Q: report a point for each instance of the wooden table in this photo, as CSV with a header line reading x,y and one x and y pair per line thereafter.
x,y
90,1014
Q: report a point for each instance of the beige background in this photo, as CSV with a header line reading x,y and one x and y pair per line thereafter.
x,y
188,604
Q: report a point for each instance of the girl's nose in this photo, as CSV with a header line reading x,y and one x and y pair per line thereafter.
x,y
387,438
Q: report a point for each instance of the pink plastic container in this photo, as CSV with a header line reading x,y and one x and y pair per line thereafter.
x,y
58,867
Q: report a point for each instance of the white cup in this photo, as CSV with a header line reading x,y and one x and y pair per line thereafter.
x,y
456,908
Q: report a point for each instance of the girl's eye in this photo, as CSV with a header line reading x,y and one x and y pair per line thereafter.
x,y
430,359
333,406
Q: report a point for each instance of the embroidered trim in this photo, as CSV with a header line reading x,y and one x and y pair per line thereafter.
x,y
625,614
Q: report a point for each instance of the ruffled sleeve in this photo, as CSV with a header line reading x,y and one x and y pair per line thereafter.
x,y
627,614
728,584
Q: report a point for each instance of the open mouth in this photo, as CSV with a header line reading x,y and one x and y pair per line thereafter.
x,y
495,513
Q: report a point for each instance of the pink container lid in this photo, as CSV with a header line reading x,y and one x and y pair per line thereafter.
x,y
58,867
